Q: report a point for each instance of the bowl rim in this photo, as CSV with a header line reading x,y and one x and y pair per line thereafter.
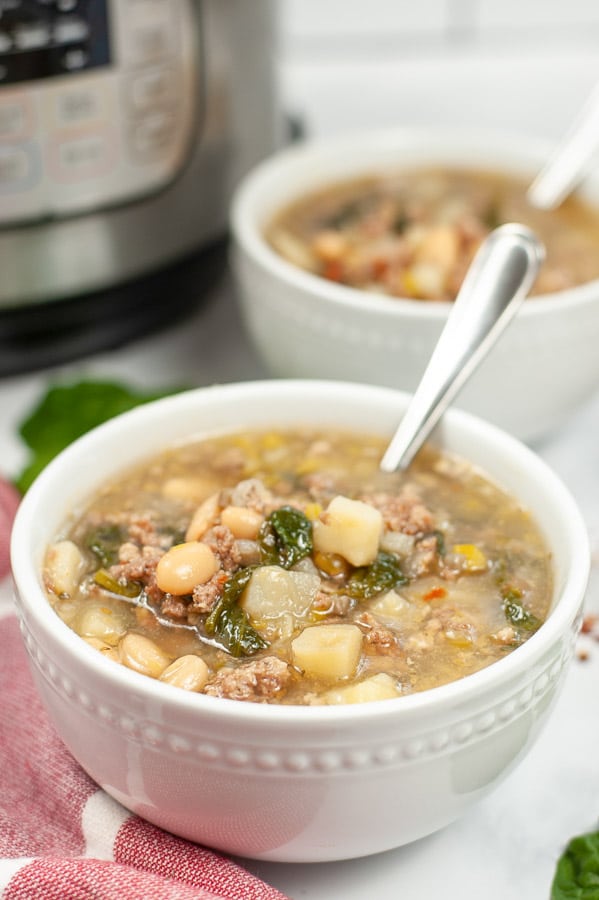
x,y
247,228
32,599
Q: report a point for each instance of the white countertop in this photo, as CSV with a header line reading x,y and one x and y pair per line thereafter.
x,y
506,847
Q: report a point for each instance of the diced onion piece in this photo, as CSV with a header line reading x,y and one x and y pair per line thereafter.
x,y
390,604
350,528
377,687
329,652
397,542
280,598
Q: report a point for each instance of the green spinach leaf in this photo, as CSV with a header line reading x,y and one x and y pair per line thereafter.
x,y
104,542
285,537
229,622
577,872
515,612
66,412
123,588
381,575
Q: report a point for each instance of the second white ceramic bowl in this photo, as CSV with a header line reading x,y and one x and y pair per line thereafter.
x,y
543,367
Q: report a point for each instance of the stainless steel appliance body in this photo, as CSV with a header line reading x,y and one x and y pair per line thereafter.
x,y
124,126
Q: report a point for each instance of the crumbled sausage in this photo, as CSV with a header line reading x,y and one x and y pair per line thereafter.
x,y
424,560
137,564
143,531
403,512
174,607
205,595
259,681
381,639
221,541
253,494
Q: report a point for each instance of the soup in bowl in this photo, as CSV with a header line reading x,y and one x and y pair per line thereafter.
x,y
349,251
249,635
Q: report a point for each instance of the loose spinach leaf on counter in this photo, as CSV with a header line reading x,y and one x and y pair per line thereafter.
x,y
67,411
577,873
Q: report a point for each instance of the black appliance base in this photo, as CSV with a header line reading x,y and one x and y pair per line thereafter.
x,y
41,335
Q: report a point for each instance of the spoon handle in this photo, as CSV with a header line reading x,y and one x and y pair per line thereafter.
x,y
499,278
568,163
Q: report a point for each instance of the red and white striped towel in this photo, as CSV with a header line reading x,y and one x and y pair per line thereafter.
x,y
61,837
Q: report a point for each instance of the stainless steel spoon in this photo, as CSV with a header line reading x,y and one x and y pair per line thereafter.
x,y
499,278
569,162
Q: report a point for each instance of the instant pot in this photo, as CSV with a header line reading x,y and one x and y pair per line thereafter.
x,y
124,126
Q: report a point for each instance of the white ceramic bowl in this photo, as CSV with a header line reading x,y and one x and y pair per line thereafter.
x,y
302,325
281,782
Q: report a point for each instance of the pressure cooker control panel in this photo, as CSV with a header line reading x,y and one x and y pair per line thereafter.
x,y
99,102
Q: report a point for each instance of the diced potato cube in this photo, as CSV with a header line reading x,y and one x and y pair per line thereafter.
x,y
350,528
279,597
377,687
328,651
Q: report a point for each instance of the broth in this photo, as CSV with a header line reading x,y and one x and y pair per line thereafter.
x,y
413,234
320,580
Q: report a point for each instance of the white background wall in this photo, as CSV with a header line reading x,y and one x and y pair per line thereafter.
x,y
523,65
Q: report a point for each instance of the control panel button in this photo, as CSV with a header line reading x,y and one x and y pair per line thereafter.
x,y
16,117
71,30
149,32
153,135
78,106
19,167
32,37
83,157
152,88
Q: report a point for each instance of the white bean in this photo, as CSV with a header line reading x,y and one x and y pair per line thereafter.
x,y
244,522
183,488
189,672
203,518
63,566
105,649
143,655
184,566
102,623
